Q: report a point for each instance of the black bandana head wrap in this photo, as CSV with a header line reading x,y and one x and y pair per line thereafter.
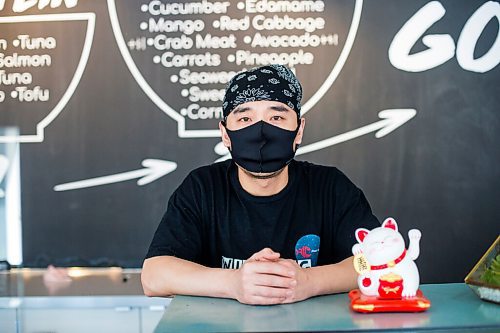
x,y
266,83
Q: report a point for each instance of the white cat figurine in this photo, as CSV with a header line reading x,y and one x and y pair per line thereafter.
x,y
385,267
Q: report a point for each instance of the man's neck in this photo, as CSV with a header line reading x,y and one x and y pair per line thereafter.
x,y
263,187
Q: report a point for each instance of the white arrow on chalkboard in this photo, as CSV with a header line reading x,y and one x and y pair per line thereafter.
x,y
391,120
153,169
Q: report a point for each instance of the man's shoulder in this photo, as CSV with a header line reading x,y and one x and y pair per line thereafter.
x,y
205,179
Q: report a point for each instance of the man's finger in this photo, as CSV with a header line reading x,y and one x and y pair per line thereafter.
x,y
269,280
289,263
271,292
265,254
272,268
269,257
260,300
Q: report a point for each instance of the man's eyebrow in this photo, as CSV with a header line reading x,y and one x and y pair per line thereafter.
x,y
280,108
240,109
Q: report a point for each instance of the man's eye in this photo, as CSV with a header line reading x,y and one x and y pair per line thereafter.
x,y
276,118
244,119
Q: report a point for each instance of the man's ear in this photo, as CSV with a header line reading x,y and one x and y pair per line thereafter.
x,y
225,137
300,132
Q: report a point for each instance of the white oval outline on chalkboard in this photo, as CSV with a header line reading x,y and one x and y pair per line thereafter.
x,y
90,18
181,125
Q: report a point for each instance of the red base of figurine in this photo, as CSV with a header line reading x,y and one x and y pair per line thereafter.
x,y
368,304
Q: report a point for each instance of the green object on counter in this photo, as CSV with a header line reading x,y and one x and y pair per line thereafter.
x,y
492,273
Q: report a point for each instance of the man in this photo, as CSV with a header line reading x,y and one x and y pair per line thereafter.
x,y
261,206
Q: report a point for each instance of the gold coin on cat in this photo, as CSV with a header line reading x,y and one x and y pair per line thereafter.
x,y
361,264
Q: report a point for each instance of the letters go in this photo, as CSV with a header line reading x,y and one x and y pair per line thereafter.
x,y
441,48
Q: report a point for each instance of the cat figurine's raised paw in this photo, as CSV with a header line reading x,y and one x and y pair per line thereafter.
x,y
386,268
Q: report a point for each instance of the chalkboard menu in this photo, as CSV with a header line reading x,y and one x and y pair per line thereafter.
x,y
112,103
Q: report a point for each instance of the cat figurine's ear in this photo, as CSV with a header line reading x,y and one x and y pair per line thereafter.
x,y
361,234
390,223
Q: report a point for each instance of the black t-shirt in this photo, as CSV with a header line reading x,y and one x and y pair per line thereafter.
x,y
213,221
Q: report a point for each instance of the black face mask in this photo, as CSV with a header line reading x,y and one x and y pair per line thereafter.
x,y
262,147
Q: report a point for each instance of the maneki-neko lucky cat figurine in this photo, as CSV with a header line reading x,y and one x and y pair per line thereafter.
x,y
386,268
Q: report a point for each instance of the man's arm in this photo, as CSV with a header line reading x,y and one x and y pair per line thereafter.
x,y
334,278
167,275
256,282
